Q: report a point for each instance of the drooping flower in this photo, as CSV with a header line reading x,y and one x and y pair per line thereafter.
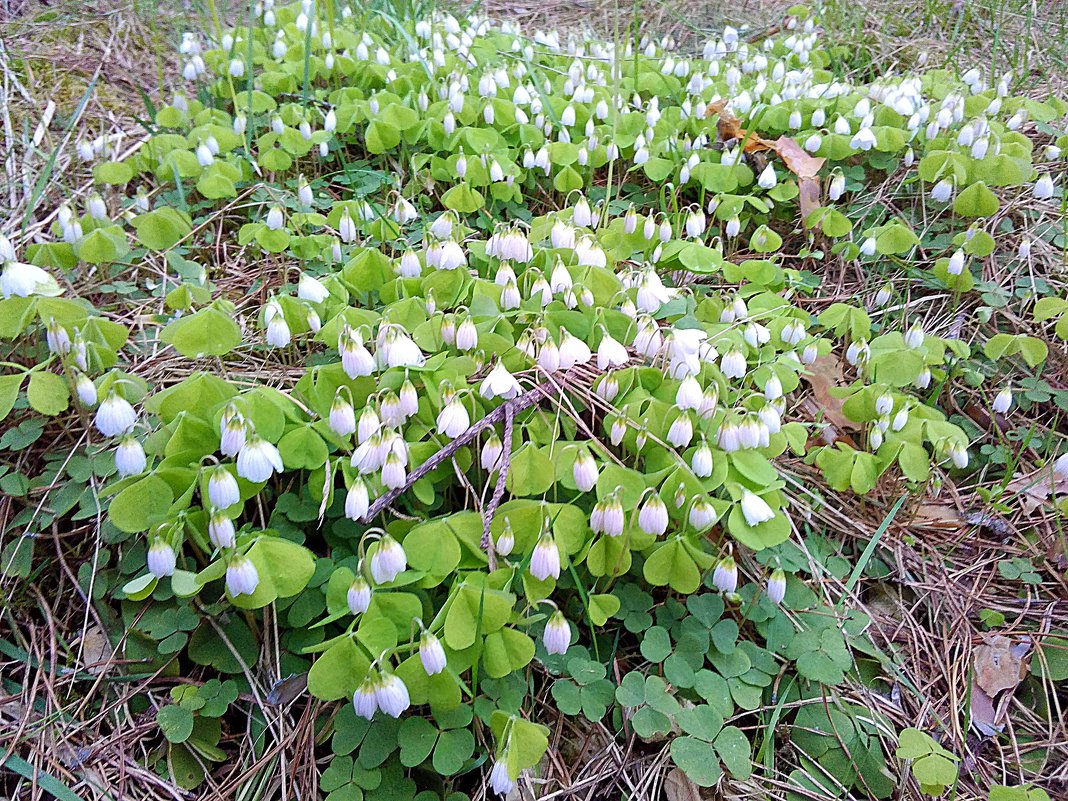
x,y
388,561
557,635
22,280
242,578
221,529
506,540
725,576
115,415
701,462
499,780
453,419
130,457
359,596
776,589
357,500
584,471
86,390
161,559
223,491
364,699
755,509
545,560
431,654
653,515
258,460
311,289
499,384
391,695
1002,401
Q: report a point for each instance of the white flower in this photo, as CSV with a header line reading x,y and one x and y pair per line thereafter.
x,y
884,403
237,68
274,218
388,561
278,335
356,360
572,350
346,228
114,416
364,698
357,500
466,335
359,596
86,390
22,280
1002,401
223,491
130,457
733,364
499,780
391,695
393,472
342,417
956,263
221,530
755,509
957,454
241,576
653,516
701,463
453,419
311,289
942,191
431,654
161,559
1043,188
776,589
499,384
506,541
702,514
767,178
610,353
557,634
725,576
545,560
585,471
681,431
695,223
258,460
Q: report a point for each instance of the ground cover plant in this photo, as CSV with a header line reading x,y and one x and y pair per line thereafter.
x,y
432,407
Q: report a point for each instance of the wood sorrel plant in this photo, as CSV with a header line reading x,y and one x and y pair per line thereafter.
x,y
530,344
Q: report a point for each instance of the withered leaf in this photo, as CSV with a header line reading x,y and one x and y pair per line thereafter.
x,y
823,375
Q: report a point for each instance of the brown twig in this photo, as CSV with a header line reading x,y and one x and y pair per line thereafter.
x,y
498,489
508,408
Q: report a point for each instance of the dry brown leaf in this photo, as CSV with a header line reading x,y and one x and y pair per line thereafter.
x,y
1034,489
797,161
730,127
823,375
937,515
679,787
999,667
96,650
999,664
806,168
985,717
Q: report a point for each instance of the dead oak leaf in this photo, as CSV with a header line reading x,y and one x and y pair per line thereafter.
x,y
999,663
825,374
805,166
